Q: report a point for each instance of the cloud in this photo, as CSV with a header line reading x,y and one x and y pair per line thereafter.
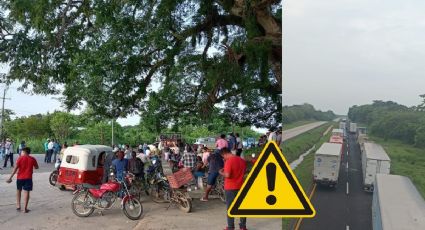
x,y
340,53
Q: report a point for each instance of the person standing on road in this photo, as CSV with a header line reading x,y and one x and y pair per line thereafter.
x,y
9,152
56,149
232,143
233,173
120,166
127,152
24,166
136,166
279,137
272,135
221,142
20,147
205,154
215,164
239,145
189,161
46,150
50,151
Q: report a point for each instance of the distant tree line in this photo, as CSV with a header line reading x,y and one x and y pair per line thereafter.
x,y
88,128
305,111
391,120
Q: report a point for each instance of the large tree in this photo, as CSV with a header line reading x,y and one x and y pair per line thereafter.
x,y
109,54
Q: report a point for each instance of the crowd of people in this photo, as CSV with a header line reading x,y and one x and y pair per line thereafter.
x,y
225,160
272,135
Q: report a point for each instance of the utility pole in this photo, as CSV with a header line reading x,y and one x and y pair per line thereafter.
x,y
2,117
112,132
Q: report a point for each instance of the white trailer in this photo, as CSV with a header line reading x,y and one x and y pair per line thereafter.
x,y
374,160
342,125
397,204
327,161
338,132
353,127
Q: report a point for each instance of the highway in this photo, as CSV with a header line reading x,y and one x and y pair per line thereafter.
x,y
347,206
290,133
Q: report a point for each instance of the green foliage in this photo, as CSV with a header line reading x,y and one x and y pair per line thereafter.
x,y
390,120
305,112
110,55
62,125
34,126
420,137
406,160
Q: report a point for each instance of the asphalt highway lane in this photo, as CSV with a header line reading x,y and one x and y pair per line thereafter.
x,y
347,206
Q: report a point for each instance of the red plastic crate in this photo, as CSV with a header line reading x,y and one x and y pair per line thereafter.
x,y
180,178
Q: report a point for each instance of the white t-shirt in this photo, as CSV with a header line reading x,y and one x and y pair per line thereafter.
x,y
239,141
127,154
272,136
50,145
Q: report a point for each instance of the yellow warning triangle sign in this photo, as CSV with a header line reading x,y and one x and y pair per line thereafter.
x,y
271,189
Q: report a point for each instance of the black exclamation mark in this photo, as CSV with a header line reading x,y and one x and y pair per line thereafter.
x,y
271,179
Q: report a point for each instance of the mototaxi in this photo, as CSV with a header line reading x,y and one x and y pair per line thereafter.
x,y
83,164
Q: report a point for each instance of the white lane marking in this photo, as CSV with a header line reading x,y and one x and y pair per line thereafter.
x,y
347,188
347,165
347,227
347,153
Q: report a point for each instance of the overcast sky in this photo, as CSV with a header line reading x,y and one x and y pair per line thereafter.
x,y
338,53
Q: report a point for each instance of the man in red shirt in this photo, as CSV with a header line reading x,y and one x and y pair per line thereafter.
x,y
233,173
24,167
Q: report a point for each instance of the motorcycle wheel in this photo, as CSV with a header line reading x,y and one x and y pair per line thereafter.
x,y
80,199
133,209
221,194
183,202
53,178
158,194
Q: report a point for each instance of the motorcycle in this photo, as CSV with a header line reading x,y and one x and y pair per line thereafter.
x,y
88,197
53,178
161,191
138,186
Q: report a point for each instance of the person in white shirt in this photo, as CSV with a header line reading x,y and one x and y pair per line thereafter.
x,y
239,145
279,137
8,152
50,147
127,152
272,135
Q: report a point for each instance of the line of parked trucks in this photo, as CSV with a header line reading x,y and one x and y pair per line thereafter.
x,y
396,203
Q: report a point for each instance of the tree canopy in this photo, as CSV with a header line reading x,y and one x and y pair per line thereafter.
x,y
389,119
110,55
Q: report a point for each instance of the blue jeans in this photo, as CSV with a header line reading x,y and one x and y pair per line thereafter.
x,y
230,196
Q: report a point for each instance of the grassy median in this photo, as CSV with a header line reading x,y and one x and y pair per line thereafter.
x,y
304,170
406,160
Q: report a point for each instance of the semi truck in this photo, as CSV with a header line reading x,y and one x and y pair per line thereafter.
x,y
353,127
374,160
327,160
397,204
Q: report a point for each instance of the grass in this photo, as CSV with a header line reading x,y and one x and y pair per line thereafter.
x,y
406,160
298,145
296,124
304,170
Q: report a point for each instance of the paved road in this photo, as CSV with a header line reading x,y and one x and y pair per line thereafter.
x,y
347,206
51,207
51,210
290,133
